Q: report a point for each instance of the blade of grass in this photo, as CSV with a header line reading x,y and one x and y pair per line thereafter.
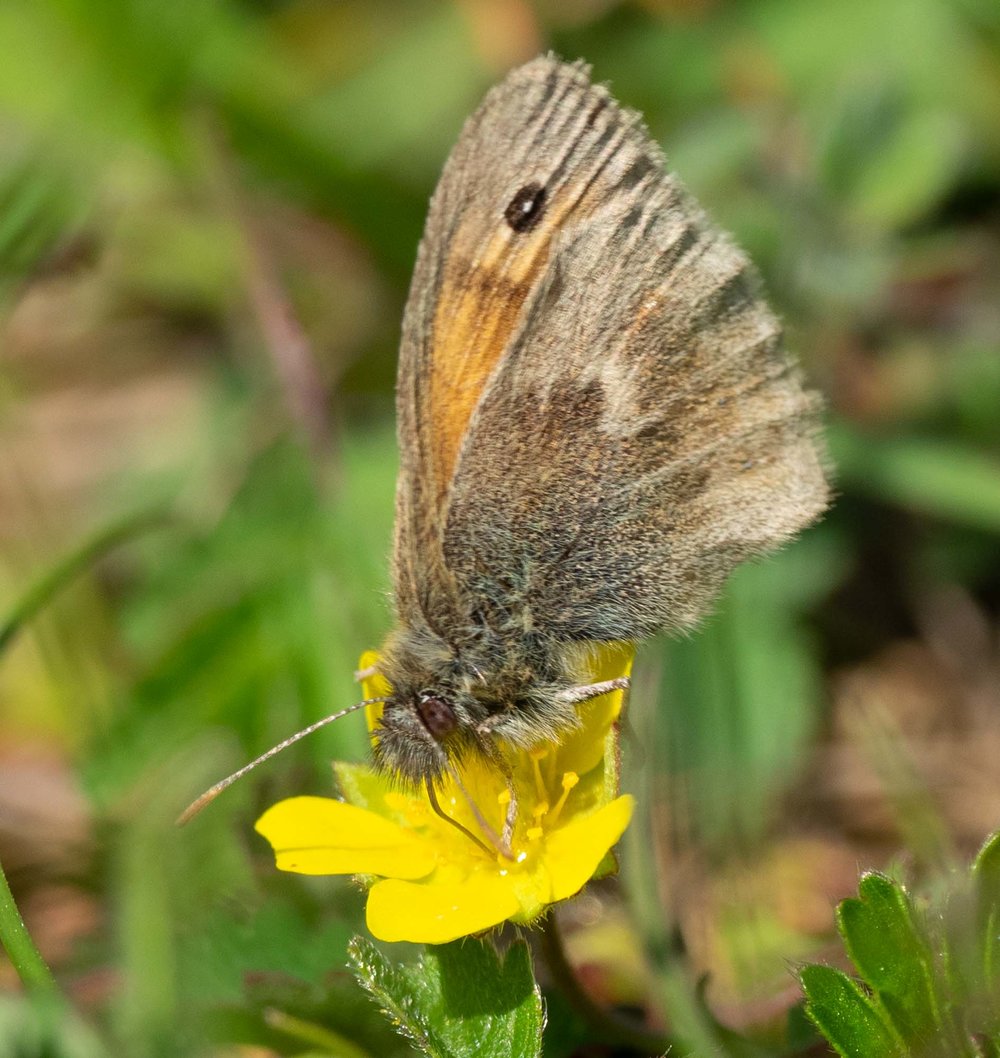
x,y
57,577
320,1036
31,968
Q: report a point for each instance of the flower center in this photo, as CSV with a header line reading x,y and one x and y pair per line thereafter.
x,y
530,803
542,814
415,812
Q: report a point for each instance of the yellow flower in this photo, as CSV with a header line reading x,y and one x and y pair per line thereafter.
x,y
436,883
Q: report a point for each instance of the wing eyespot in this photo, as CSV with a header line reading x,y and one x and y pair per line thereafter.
x,y
526,208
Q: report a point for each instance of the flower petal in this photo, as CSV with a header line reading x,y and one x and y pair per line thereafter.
x,y
317,835
435,913
574,852
373,686
363,787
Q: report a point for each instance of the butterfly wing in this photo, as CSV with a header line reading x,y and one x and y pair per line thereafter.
x,y
597,418
473,283
644,431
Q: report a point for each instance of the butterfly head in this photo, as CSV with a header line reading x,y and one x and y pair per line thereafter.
x,y
418,733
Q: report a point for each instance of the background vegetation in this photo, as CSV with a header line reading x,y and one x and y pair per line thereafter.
x,y
208,215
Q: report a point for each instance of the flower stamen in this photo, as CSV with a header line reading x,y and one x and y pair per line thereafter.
x,y
502,846
536,756
569,780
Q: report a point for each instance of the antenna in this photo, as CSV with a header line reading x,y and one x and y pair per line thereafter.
x,y
212,792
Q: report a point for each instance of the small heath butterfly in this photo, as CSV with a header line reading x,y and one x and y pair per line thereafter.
x,y
597,423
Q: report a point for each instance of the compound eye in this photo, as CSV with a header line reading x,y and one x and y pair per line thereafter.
x,y
438,716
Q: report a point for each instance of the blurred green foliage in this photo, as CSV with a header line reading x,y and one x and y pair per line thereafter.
x,y
177,179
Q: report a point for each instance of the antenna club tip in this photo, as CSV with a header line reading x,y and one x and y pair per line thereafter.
x,y
195,807
210,795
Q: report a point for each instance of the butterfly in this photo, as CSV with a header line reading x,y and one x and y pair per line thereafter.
x,y
597,422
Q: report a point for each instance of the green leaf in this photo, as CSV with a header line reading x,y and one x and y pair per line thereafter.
x,y
913,168
45,1028
986,879
924,972
891,955
942,478
878,930
458,999
754,674
846,1016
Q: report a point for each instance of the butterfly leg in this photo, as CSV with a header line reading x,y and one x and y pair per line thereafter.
x,y
503,766
510,819
576,695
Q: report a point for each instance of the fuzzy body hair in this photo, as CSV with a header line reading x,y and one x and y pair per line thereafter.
x,y
499,685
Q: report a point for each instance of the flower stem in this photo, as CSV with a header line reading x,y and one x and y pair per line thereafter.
x,y
30,966
607,1023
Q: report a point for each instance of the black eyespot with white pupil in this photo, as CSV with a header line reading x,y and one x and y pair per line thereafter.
x,y
437,714
526,208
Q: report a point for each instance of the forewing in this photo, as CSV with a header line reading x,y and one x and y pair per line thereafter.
x,y
643,431
476,280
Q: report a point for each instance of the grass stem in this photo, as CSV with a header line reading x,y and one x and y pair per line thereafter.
x,y
27,960
53,580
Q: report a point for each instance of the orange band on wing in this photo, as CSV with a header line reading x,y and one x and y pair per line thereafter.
x,y
478,310
475,319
